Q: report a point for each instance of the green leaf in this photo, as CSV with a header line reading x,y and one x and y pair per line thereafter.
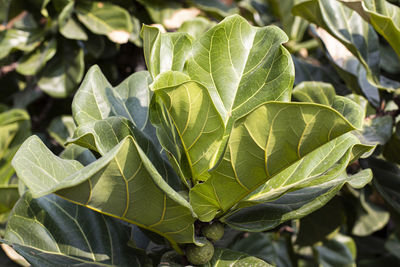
x,y
324,94
369,217
96,99
68,26
241,66
14,129
14,39
293,26
263,147
50,231
196,27
383,16
196,120
105,18
321,224
391,150
75,152
110,186
8,197
377,130
266,246
164,51
226,257
348,67
64,71
292,205
33,62
348,28
386,180
61,128
339,251
218,8
393,245
103,135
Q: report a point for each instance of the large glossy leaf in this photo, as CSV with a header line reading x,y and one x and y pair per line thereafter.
x,y
196,120
241,66
50,231
123,184
64,71
383,16
164,51
264,146
103,135
196,27
349,28
292,205
324,93
96,99
105,18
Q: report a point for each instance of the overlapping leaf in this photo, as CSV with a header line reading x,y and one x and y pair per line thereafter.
x,y
292,205
349,28
198,124
83,237
277,142
123,184
105,18
241,66
164,51
383,16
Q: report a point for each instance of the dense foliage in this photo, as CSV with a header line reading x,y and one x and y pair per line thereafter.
x,y
253,137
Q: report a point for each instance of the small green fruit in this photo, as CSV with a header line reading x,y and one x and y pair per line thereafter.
x,y
213,231
199,255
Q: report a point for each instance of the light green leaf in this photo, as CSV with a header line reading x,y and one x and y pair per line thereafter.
x,y
164,51
347,27
110,186
68,25
273,140
196,27
14,129
383,16
96,99
369,217
103,135
61,128
324,93
292,205
64,71
229,258
196,120
241,66
32,63
14,39
105,18
84,237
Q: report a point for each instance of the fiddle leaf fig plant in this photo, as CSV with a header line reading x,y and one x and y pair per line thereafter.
x,y
206,139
